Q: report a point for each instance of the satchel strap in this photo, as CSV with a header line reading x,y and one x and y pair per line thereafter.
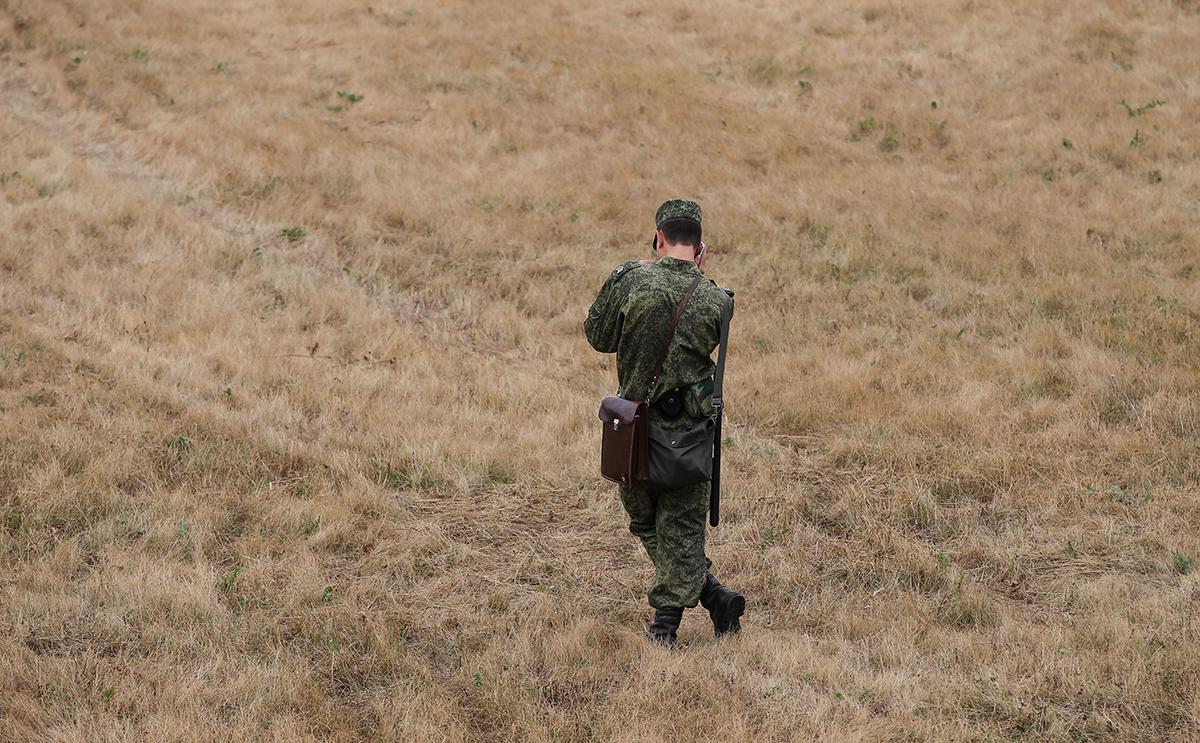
x,y
726,313
666,341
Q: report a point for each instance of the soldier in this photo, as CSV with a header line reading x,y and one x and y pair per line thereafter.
x,y
630,317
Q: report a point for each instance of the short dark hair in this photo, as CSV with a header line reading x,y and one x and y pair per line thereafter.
x,y
681,232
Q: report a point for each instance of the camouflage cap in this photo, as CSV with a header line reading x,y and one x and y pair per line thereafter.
x,y
677,209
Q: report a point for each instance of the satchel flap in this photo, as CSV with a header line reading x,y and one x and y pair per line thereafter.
x,y
619,409
682,439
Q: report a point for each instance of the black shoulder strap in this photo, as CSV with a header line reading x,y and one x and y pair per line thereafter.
x,y
718,401
666,341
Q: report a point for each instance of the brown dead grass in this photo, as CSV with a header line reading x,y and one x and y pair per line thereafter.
x,y
338,482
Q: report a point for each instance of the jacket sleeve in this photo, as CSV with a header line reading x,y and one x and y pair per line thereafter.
x,y
605,317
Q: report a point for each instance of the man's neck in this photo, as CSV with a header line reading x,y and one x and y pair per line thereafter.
x,y
682,252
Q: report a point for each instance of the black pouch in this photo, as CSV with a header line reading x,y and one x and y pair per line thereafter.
x,y
679,458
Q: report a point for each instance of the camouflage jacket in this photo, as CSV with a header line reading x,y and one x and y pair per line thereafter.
x,y
631,315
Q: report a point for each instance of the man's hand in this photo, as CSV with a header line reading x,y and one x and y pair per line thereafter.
x,y
701,256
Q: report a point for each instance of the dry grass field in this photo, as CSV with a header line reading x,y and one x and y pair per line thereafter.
x,y
297,435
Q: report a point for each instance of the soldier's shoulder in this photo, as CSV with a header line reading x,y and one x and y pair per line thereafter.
x,y
624,270
716,291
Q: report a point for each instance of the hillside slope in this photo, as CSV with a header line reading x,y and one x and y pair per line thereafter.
x,y
297,433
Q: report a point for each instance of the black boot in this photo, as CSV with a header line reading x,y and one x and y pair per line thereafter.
x,y
662,629
724,605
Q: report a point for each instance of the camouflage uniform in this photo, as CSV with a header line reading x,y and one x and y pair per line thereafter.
x,y
630,317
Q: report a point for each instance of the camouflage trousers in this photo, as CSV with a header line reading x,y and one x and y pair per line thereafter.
x,y
670,522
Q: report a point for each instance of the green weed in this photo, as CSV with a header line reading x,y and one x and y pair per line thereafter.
x,y
772,535
1145,107
227,581
309,524
293,234
766,70
1182,563
13,518
890,141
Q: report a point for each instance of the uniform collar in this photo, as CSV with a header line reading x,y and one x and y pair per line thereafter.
x,y
678,264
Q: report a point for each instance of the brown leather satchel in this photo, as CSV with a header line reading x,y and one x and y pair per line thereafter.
x,y
624,444
624,451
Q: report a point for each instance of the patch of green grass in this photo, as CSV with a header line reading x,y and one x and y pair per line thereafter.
x,y
497,473
890,141
327,594
1137,140
1067,144
1182,563
1144,108
772,535
264,186
13,358
309,524
766,70
349,97
293,234
227,581
13,518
